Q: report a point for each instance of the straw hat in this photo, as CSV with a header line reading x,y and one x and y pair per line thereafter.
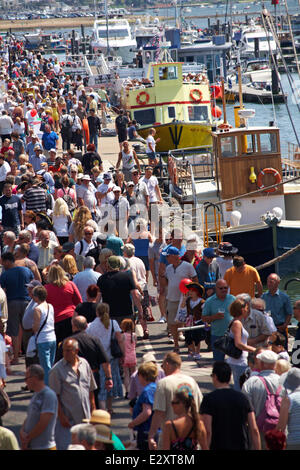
x,y
99,417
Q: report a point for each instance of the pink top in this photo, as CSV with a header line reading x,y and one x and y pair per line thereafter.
x,y
64,300
61,192
130,354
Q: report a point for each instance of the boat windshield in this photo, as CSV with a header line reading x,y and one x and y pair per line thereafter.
x,y
261,39
113,33
198,113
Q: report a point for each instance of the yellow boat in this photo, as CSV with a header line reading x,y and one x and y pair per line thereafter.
x,y
178,106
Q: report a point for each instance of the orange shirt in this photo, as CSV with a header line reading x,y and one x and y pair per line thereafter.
x,y
244,282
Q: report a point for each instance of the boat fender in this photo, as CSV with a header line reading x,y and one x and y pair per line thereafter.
x,y
142,101
196,95
268,171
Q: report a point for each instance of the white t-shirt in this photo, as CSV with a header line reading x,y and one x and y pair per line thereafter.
x,y
88,195
103,188
83,247
151,184
137,265
175,275
60,223
96,328
150,140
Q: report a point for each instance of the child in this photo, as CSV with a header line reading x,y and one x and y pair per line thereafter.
x,y
277,343
194,303
129,359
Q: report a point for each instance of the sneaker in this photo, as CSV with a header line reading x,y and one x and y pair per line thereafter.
x,y
181,337
171,340
197,357
162,320
190,355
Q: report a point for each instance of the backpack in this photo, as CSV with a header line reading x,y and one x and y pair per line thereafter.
x,y
66,127
70,203
268,417
94,252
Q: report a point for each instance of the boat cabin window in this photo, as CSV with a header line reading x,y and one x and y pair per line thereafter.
x,y
249,143
229,146
145,116
171,112
268,143
168,73
198,113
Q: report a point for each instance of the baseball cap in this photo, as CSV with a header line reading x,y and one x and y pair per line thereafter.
x,y
116,188
86,177
172,250
130,183
209,253
107,176
53,150
268,357
149,357
68,246
80,176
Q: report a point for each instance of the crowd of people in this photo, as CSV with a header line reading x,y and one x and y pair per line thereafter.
x,y
78,255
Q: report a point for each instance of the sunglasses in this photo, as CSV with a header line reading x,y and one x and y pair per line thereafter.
x,y
173,402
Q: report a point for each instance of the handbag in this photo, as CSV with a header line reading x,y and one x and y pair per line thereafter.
x,y
31,350
226,345
115,349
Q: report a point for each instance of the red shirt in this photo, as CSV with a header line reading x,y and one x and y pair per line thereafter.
x,y
64,300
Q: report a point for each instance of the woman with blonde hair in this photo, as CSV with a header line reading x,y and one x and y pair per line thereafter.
x,y
105,329
103,257
64,295
30,223
70,266
61,218
76,230
55,114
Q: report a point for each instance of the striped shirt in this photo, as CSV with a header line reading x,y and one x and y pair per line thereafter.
x,y
35,199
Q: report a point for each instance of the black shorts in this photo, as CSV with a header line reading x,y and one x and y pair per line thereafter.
x,y
122,136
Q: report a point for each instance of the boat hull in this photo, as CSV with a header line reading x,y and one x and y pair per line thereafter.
x,y
177,135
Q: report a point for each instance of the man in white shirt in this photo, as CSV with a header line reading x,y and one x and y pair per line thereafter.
x,y
104,193
120,212
86,194
6,125
87,243
155,196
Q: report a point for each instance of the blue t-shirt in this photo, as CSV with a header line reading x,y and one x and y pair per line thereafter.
x,y
49,140
147,396
14,281
10,210
212,306
163,257
141,246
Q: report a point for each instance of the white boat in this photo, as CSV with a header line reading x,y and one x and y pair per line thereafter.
x,y
145,32
114,36
256,42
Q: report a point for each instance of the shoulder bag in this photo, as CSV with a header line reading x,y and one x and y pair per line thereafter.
x,y
31,350
115,349
226,345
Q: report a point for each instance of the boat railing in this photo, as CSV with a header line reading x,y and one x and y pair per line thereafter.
x,y
192,167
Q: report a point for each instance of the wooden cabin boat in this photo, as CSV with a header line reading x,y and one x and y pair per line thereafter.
x,y
243,160
178,106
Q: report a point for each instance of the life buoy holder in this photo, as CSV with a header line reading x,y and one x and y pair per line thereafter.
x,y
196,95
268,171
142,101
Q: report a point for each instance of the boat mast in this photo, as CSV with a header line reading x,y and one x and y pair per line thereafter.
x,y
107,34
